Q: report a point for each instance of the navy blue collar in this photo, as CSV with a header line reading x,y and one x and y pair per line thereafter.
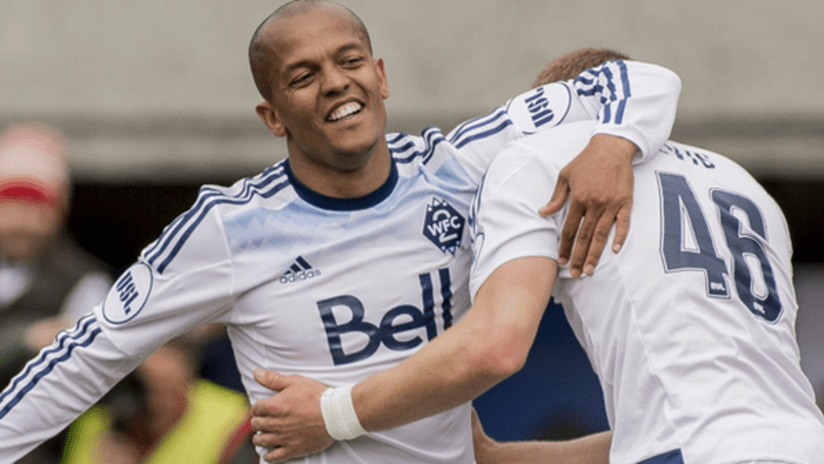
x,y
344,204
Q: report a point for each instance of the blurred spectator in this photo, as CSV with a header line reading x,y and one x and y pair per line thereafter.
x,y
46,280
163,413
217,357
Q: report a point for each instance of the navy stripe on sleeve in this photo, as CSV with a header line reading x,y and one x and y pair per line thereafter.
x,y
206,192
405,151
475,124
163,252
614,90
83,334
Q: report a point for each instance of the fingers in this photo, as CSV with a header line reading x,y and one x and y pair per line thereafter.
x,y
583,243
266,407
591,235
270,379
289,444
569,232
621,227
264,440
597,240
263,410
280,454
559,197
268,447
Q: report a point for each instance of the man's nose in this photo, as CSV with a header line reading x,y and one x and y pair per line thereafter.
x,y
334,80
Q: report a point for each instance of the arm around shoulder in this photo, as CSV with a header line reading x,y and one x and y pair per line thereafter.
x,y
491,342
643,111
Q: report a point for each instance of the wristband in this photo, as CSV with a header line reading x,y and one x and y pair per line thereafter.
x,y
339,414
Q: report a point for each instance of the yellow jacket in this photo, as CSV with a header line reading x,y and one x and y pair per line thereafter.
x,y
214,419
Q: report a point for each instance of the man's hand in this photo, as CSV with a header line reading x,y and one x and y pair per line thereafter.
x,y
289,423
483,444
601,180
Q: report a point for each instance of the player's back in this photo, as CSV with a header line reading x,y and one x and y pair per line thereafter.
x,y
691,326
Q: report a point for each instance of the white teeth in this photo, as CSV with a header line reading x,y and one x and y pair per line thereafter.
x,y
344,111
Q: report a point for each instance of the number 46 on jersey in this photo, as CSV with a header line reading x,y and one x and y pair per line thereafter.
x,y
745,242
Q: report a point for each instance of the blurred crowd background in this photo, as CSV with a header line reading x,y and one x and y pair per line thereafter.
x,y
155,98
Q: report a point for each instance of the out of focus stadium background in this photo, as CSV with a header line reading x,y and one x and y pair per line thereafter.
x,y
156,98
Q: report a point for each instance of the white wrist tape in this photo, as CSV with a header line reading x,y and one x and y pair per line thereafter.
x,y
339,414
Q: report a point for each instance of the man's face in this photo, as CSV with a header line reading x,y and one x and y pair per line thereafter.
x,y
327,90
26,228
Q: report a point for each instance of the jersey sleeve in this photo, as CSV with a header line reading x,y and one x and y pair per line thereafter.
x,y
633,100
505,223
58,385
183,279
180,281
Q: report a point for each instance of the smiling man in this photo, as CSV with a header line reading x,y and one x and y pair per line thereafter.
x,y
325,96
352,254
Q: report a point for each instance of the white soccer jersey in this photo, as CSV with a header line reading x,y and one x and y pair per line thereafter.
x,y
691,327
334,289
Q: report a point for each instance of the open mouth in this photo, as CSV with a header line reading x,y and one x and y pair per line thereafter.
x,y
345,111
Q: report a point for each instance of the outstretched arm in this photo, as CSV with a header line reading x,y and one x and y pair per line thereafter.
x,y
493,344
49,393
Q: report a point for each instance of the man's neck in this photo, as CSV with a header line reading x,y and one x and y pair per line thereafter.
x,y
340,183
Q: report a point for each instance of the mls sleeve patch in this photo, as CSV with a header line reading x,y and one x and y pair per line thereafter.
x,y
128,295
541,108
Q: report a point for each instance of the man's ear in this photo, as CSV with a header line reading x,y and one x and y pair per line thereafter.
x,y
267,113
383,82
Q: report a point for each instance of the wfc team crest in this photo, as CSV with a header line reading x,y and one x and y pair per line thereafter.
x,y
443,225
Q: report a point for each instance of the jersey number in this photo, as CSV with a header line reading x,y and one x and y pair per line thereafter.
x,y
679,203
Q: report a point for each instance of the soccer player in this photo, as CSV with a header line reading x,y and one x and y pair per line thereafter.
x,y
691,328
342,260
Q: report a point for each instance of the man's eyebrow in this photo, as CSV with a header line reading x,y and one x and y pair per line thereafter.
x,y
308,63
351,46
296,65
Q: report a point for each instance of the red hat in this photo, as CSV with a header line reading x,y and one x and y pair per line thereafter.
x,y
33,165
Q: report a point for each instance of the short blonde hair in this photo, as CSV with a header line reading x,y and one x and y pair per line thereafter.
x,y
570,65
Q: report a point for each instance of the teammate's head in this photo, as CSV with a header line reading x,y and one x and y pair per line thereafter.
x,y
34,189
258,55
323,89
572,64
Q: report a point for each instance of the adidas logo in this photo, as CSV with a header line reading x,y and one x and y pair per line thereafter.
x,y
298,271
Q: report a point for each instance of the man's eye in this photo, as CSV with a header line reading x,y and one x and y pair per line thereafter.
x,y
353,61
300,79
